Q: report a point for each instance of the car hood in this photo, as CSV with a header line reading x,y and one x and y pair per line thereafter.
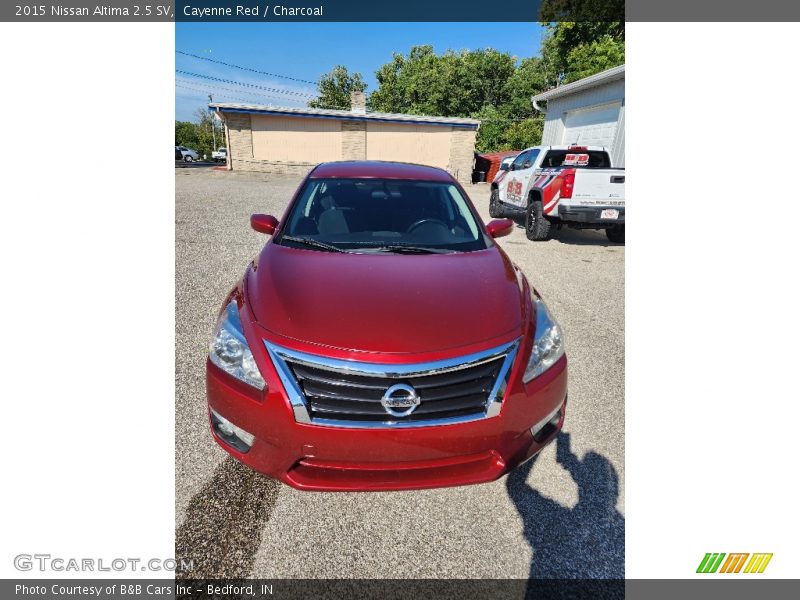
x,y
386,303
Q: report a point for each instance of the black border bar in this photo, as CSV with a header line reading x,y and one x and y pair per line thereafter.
x,y
405,11
402,12
713,586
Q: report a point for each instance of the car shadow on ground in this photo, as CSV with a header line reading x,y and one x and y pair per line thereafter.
x,y
195,164
221,531
586,542
577,237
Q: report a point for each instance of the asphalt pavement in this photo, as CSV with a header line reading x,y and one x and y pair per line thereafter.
x,y
560,516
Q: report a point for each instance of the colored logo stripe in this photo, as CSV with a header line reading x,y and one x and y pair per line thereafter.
x,y
733,564
710,563
758,563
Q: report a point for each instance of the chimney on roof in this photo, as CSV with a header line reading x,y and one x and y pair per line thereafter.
x,y
358,103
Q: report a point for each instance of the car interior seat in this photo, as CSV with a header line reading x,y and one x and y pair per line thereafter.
x,y
348,199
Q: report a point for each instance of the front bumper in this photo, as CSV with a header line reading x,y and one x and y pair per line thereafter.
x,y
323,458
590,214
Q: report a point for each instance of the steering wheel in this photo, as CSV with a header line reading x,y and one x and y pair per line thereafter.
x,y
422,222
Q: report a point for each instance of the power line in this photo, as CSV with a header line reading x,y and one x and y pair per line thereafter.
x,y
206,88
212,87
250,85
250,69
205,91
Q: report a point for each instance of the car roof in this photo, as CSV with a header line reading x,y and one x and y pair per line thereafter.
x,y
564,147
377,169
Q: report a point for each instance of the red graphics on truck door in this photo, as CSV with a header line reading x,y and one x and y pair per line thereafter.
x,y
514,191
549,182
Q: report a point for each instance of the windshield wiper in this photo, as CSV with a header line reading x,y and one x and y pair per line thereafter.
x,y
312,243
406,249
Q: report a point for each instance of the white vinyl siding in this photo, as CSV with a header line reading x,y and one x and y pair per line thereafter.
x,y
558,110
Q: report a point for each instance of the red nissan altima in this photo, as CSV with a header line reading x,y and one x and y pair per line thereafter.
x,y
382,340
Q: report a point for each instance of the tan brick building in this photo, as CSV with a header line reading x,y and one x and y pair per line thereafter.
x,y
293,140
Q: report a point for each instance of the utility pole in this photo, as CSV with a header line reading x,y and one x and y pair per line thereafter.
x,y
213,126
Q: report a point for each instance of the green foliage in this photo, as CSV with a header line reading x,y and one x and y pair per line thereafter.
x,y
199,135
586,19
529,78
593,57
485,84
522,134
490,85
334,88
491,135
453,84
584,37
501,131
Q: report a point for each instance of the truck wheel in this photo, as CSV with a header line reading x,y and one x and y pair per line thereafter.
x,y
537,227
495,208
616,234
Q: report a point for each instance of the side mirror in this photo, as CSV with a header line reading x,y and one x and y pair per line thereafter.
x,y
264,223
500,227
504,166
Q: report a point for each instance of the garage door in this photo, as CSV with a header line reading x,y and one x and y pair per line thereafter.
x,y
592,126
423,144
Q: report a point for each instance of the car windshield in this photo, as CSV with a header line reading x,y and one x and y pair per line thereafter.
x,y
382,215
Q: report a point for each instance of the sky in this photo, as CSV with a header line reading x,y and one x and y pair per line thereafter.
x,y
304,51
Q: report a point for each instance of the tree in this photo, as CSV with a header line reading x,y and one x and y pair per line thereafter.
x,y
598,55
584,20
584,37
451,84
529,78
334,88
485,84
198,135
491,134
521,134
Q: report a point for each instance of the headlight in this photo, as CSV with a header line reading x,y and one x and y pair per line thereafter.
x,y
548,342
230,352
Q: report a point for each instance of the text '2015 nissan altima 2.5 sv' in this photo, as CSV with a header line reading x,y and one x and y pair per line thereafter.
x,y
383,341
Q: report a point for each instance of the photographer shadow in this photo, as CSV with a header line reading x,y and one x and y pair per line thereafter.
x,y
586,542
221,532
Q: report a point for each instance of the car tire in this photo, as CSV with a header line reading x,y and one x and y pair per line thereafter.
x,y
495,207
537,226
616,234
187,158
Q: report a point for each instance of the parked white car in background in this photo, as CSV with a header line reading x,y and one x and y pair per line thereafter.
x,y
557,186
188,154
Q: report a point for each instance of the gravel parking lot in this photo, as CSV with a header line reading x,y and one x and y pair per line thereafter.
x,y
559,516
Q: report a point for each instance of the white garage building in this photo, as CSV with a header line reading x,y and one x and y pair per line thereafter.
x,y
589,112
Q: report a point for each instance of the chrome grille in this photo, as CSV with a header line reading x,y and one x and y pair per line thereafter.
x,y
340,393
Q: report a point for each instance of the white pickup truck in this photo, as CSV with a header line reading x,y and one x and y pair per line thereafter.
x,y
557,186
220,155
